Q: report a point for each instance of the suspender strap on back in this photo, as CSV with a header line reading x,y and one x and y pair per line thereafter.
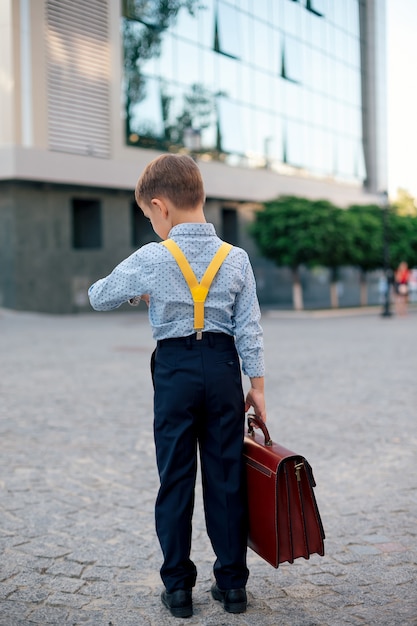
x,y
199,290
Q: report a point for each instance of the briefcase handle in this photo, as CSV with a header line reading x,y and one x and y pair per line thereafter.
x,y
254,419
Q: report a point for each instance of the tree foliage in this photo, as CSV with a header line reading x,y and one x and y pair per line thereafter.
x,y
295,231
364,229
402,239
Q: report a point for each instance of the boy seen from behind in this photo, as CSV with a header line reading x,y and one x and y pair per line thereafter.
x,y
198,394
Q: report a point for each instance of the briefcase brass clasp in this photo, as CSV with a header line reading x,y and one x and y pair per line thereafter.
x,y
297,468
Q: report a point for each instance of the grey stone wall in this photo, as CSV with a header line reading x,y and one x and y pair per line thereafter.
x,y
40,270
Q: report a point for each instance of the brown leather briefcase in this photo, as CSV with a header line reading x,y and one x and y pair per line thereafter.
x,y
284,521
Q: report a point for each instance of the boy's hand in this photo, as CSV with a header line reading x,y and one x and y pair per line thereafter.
x,y
256,398
135,301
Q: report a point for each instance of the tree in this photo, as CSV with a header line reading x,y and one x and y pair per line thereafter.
x,y
294,231
402,237
364,230
199,111
333,245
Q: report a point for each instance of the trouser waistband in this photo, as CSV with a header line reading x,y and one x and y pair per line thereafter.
x,y
207,338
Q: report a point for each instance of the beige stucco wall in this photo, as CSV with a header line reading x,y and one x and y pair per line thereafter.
x,y
7,79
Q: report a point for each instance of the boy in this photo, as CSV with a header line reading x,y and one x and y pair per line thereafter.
x,y
198,395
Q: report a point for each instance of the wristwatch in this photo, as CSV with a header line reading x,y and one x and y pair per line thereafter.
x,y
134,301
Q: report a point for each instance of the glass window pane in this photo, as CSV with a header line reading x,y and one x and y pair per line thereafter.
x,y
246,84
294,100
324,152
190,107
346,153
295,143
187,61
263,135
261,90
293,59
147,114
247,131
276,53
340,16
314,29
228,31
319,109
292,17
260,50
230,126
166,68
263,10
318,69
355,52
246,37
86,223
205,15
320,6
274,143
277,18
227,76
353,17
186,25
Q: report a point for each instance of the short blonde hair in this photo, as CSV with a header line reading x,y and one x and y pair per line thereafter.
x,y
172,176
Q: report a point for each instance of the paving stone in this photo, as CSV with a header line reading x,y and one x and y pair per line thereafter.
x,y
78,477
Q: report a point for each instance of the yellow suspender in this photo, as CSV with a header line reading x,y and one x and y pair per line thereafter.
x,y
198,290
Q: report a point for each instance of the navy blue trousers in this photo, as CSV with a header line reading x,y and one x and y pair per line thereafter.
x,y
199,405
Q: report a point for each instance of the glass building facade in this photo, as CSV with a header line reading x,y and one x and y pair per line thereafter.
x,y
267,84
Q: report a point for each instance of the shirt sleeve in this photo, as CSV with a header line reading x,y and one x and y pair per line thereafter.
x,y
126,282
248,330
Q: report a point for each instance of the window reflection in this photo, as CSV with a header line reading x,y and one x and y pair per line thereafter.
x,y
227,30
186,57
260,48
227,75
292,59
147,118
295,143
279,86
230,125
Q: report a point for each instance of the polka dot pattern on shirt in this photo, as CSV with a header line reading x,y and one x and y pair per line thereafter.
x,y
231,306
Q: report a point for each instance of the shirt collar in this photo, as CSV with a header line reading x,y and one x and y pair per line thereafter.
x,y
192,229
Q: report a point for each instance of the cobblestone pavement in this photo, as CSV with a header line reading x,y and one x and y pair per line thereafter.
x,y
78,478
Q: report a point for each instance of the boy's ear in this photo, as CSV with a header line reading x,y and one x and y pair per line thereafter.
x,y
159,203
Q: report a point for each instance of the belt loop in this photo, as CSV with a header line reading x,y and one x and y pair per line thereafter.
x,y
210,339
188,342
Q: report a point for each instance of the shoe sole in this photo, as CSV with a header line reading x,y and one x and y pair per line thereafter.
x,y
178,611
235,607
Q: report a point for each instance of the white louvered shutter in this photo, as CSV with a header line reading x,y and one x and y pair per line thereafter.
x,y
78,77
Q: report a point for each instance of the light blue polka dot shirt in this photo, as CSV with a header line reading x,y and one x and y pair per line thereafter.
x,y
231,306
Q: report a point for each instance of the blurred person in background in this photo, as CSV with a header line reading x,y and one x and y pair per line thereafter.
x,y
402,288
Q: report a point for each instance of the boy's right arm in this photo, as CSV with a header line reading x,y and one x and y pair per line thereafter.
x,y
121,285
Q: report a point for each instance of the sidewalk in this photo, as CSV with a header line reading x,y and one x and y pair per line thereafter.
x,y
78,478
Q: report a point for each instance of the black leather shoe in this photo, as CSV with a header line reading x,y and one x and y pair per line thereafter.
x,y
179,602
233,600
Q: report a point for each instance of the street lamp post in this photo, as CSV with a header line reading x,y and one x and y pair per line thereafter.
x,y
386,312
